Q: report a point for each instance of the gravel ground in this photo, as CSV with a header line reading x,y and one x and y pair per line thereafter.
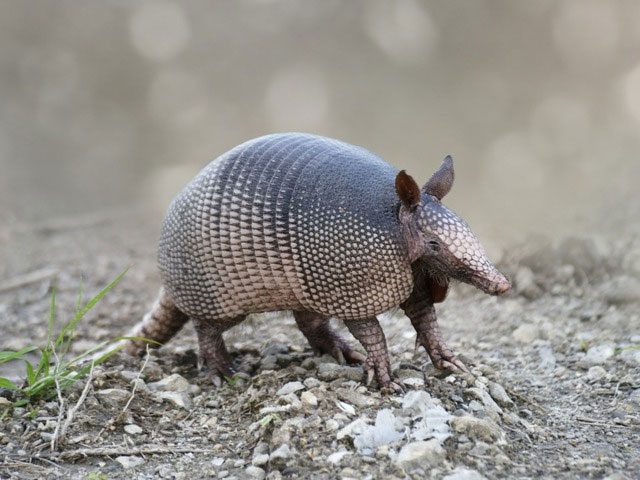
x,y
554,390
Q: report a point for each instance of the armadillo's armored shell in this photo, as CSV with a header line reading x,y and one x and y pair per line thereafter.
x,y
287,221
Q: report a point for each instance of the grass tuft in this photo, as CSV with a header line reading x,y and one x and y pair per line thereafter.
x,y
54,368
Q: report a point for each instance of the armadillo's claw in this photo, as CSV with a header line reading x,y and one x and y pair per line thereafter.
x,y
370,374
391,388
453,365
339,356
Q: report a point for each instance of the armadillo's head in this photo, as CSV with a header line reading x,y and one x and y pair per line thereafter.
x,y
441,238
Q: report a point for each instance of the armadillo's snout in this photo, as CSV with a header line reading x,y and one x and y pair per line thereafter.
x,y
492,282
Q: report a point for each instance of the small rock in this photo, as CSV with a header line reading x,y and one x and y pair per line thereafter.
x,y
132,429
597,355
336,457
387,429
489,404
172,383
332,371
477,428
621,290
547,357
630,356
354,398
5,402
423,454
526,333
290,388
260,459
179,399
255,472
346,408
596,373
462,473
283,452
129,462
308,399
113,397
499,394
217,461
311,382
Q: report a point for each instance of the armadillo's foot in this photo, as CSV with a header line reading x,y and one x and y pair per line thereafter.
x,y
213,352
324,339
430,337
370,335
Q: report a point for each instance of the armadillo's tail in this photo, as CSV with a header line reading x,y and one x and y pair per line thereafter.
x,y
161,323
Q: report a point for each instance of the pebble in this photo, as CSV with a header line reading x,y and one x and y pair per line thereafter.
x,y
526,333
422,454
346,408
129,462
290,387
217,461
283,452
311,382
597,355
333,371
260,459
255,472
499,394
621,290
113,397
596,373
336,457
525,283
477,428
132,429
489,404
308,399
172,383
354,398
179,399
386,429
462,473
630,356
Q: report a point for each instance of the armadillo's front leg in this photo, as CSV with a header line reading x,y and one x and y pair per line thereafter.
x,y
424,320
324,339
213,352
369,333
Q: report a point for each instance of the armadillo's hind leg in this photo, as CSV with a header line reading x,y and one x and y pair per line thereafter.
x,y
324,339
369,333
161,323
213,352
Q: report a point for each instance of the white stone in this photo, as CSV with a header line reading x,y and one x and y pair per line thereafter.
x,y
597,355
132,429
595,373
255,472
308,399
387,429
129,462
179,399
260,459
172,383
217,461
462,473
290,388
283,452
423,454
346,408
336,457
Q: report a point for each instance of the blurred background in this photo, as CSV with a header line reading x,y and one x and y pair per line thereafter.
x,y
114,104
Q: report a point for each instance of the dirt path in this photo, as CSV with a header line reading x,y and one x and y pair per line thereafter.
x,y
555,391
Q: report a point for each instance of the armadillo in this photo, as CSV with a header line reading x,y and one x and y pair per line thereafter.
x,y
324,229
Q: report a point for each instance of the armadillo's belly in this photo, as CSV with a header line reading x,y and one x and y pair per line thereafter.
x,y
276,224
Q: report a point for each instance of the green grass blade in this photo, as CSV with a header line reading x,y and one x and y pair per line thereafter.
x,y
52,317
8,356
8,384
31,374
73,323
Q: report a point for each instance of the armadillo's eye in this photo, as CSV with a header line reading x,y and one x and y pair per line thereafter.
x,y
434,245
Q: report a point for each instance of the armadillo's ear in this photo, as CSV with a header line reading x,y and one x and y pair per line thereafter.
x,y
440,182
407,190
